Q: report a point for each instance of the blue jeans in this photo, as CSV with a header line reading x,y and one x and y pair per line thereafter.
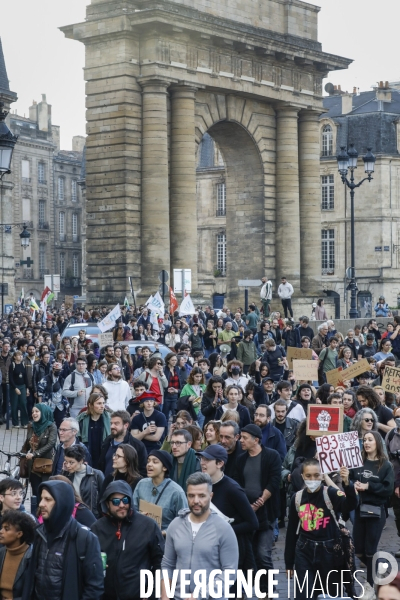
x,y
313,557
169,405
262,549
200,419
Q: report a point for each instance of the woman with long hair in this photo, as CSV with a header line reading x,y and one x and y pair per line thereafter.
x,y
211,432
345,357
40,442
194,390
125,465
305,396
257,371
100,373
324,390
212,397
94,425
368,398
350,404
374,482
126,356
175,384
140,334
217,365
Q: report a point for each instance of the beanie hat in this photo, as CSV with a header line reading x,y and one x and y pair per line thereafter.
x,y
163,457
253,430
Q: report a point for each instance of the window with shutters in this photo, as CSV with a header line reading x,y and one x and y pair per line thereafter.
x,y
74,227
221,253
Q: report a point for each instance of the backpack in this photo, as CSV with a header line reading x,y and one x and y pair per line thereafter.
x,y
72,386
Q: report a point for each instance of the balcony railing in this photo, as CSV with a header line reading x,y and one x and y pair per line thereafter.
x,y
43,272
43,225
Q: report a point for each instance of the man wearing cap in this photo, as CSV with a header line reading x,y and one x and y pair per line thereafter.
x,y
149,426
119,393
369,349
258,472
271,436
157,488
232,501
130,540
264,393
50,391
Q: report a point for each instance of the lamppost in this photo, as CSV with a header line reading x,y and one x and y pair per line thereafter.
x,y
347,159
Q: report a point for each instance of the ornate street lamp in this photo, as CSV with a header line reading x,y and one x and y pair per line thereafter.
x,y
347,160
25,237
7,143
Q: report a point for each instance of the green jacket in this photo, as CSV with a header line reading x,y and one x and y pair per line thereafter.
x,y
246,352
83,419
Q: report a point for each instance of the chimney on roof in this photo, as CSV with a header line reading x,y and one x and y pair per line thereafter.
x,y
383,92
347,103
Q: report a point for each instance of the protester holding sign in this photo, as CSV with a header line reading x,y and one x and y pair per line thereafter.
x,y
374,483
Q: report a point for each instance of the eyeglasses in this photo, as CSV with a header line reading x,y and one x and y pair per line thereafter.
x,y
15,494
177,443
62,430
115,369
368,420
118,456
117,501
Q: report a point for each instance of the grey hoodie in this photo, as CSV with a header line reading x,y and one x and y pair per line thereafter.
x,y
214,547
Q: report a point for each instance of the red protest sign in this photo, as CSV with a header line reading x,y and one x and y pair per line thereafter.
x,y
323,419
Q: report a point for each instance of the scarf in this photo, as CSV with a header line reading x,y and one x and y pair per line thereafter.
x,y
188,467
46,419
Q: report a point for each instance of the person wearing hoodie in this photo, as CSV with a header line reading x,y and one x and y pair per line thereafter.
x,y
66,562
78,387
246,350
130,540
119,393
199,539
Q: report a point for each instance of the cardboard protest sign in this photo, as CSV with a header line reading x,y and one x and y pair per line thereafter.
x,y
335,376
324,418
339,450
151,510
69,301
105,339
391,380
298,353
306,370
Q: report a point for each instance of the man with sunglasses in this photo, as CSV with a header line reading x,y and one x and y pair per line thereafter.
x,y
130,540
119,393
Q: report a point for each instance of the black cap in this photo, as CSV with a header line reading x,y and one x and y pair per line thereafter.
x,y
215,452
267,379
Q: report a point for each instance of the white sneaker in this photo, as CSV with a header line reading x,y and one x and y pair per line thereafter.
x,y
369,592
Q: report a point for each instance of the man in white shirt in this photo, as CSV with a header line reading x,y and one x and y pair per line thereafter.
x,y
296,411
119,393
285,293
266,295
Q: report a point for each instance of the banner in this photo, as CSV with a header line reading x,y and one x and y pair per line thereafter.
x,y
156,303
391,380
187,307
299,353
109,321
335,376
154,320
105,339
173,302
324,418
305,370
339,450
69,301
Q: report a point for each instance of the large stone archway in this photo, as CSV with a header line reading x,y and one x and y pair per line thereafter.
x,y
159,74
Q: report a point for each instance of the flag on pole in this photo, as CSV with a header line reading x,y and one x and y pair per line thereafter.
x,y
45,299
173,302
126,303
187,307
32,304
21,298
157,304
149,301
186,293
109,321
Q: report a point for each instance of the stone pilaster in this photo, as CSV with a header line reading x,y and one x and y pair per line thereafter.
x,y
183,208
155,196
310,198
287,196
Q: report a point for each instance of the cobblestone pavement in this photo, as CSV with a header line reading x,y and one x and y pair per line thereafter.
x,y
12,441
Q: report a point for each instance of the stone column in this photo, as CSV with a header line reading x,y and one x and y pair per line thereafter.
x,y
155,197
183,209
310,198
287,196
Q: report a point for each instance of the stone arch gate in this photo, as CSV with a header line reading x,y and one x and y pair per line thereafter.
x,y
159,74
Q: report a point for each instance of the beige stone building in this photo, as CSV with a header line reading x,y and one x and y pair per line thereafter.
x,y
161,74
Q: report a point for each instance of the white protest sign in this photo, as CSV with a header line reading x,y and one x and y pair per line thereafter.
x,y
154,320
187,306
109,321
339,450
105,339
305,370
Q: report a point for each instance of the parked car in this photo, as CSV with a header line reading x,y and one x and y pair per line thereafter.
x,y
162,349
73,329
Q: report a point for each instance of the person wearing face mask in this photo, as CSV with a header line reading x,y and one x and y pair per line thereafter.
x,y
235,374
314,512
49,391
393,447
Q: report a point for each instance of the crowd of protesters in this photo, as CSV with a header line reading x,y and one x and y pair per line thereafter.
x,y
214,434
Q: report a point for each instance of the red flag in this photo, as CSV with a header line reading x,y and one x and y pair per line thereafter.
x,y
173,303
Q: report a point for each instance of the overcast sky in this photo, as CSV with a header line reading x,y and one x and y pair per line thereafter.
x,y
40,59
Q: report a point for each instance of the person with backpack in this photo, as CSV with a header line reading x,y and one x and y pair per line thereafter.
x,y
66,561
78,387
266,296
313,539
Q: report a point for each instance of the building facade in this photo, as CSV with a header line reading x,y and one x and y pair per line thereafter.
x,y
368,119
248,74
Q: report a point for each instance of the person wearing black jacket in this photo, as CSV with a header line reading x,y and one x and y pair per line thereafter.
x,y
229,434
264,392
131,541
374,482
175,385
87,481
312,551
304,328
258,472
120,422
212,398
40,370
18,390
66,561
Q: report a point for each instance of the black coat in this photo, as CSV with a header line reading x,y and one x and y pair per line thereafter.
x,y
141,547
21,578
128,439
60,450
271,466
90,488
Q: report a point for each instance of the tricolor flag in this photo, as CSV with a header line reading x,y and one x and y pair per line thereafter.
x,y
33,305
47,296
